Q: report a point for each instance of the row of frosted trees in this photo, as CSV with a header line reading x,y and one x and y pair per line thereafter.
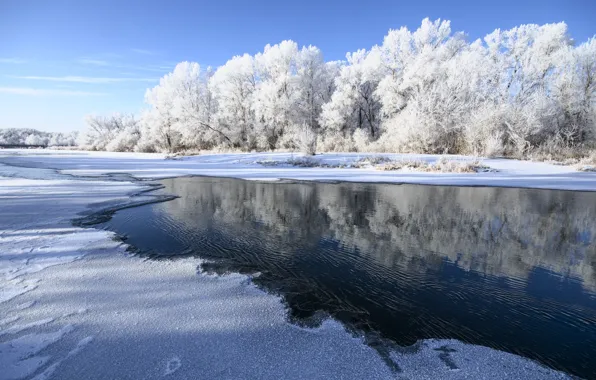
x,y
33,137
428,90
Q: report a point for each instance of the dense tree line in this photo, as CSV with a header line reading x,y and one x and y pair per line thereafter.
x,y
428,90
33,137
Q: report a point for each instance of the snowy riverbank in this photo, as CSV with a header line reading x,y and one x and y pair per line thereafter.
x,y
507,173
74,304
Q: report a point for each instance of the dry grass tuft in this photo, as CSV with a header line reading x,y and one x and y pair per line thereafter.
x,y
587,164
372,161
443,165
403,164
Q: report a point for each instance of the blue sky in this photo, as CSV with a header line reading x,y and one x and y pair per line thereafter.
x,y
61,60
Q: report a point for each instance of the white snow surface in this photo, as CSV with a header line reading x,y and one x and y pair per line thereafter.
x,y
509,173
74,304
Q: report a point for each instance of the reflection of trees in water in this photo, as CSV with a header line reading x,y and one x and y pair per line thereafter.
x,y
503,232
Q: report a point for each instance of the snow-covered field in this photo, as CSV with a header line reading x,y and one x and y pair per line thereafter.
x,y
74,305
509,173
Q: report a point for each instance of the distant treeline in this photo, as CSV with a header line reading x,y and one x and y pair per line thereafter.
x,y
22,137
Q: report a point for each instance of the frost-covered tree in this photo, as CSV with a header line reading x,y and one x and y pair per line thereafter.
x,y
276,93
412,60
233,86
36,140
58,139
575,91
522,64
267,101
315,85
127,138
353,105
66,139
181,111
314,82
419,97
102,131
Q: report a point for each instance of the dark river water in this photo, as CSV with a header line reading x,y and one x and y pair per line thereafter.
x,y
512,269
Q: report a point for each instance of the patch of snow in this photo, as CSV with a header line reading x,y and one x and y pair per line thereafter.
x,y
23,306
47,374
172,365
18,328
453,359
8,320
10,289
18,357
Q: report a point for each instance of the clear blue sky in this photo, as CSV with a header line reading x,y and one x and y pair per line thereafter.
x,y
60,60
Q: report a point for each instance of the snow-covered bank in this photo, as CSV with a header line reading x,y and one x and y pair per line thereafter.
x,y
508,173
103,314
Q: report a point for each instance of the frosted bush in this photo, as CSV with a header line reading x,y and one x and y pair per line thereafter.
x,y
361,140
308,141
124,141
335,142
